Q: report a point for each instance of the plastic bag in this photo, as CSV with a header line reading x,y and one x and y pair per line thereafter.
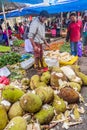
x,y
79,49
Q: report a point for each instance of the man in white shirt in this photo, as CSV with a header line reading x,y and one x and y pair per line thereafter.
x,y
37,36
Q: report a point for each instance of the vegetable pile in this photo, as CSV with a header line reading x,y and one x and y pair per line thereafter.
x,y
4,80
9,59
18,42
54,46
5,49
65,48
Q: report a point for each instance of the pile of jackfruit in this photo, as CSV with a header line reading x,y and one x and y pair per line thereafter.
x,y
43,99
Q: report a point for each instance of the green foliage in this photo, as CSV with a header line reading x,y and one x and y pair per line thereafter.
x,y
18,42
9,59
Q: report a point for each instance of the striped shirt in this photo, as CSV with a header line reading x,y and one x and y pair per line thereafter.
x,y
37,31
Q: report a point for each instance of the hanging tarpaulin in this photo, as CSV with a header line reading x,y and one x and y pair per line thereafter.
x,y
52,2
27,1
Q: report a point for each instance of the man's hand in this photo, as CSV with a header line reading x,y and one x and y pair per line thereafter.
x,y
36,49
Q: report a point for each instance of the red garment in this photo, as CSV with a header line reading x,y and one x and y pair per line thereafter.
x,y
75,31
38,54
21,29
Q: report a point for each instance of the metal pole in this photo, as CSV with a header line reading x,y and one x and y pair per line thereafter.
x,y
3,9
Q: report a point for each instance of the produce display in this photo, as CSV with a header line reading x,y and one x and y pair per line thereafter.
x,y
65,48
4,80
43,100
54,46
18,42
5,48
9,59
46,98
61,57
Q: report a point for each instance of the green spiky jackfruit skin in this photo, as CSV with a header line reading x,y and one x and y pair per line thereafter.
x,y
45,115
59,104
75,86
31,103
83,77
46,77
12,94
15,110
41,84
17,123
33,81
3,117
46,94
25,81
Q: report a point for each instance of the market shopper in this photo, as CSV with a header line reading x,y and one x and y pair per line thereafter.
x,y
37,36
85,30
28,45
74,33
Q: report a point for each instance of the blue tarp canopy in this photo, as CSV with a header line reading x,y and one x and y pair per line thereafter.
x,y
27,1
56,7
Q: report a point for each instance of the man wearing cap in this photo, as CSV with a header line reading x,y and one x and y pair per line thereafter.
x,y
37,36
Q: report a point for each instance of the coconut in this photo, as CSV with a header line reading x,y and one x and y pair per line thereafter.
x,y
45,115
12,94
69,95
59,104
31,103
45,77
3,117
17,123
46,94
34,80
15,110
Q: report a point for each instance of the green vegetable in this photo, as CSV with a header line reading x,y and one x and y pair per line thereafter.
x,y
18,42
9,59
5,49
65,48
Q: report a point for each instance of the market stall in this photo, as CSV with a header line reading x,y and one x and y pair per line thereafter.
x,y
41,101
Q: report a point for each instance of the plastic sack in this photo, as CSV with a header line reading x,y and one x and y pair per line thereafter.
x,y
79,46
71,62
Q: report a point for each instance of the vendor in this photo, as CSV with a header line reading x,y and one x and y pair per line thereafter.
x,y
37,37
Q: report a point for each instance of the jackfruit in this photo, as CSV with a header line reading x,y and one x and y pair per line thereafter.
x,y
75,86
69,95
3,117
56,69
15,110
55,79
41,84
83,77
25,81
12,94
46,94
59,104
34,80
45,77
45,115
70,74
17,123
31,103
